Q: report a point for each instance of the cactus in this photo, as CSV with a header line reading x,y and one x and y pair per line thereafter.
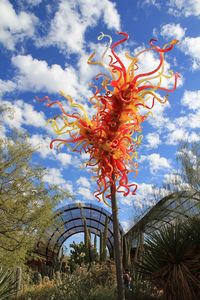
x,y
18,279
37,278
95,241
90,246
45,280
58,277
105,238
7,285
87,242
100,246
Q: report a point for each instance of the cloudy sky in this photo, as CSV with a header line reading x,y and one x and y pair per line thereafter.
x,y
44,46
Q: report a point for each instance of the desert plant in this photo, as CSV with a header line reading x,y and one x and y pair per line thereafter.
x,y
7,284
95,283
95,241
101,247
87,241
18,279
193,232
37,278
171,261
105,238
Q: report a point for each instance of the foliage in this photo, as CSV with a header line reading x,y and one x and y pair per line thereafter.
x,y
25,201
189,157
7,283
188,174
96,283
171,260
78,255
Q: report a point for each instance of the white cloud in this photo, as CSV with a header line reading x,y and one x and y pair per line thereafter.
x,y
126,225
151,2
41,143
68,186
177,7
54,176
158,118
73,18
128,200
65,159
32,2
37,75
23,114
182,128
87,71
193,120
83,181
153,140
6,86
147,195
14,27
145,192
191,99
191,46
156,162
188,45
85,193
185,8
175,136
181,134
172,31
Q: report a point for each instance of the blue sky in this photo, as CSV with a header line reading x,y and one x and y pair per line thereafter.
x,y
44,46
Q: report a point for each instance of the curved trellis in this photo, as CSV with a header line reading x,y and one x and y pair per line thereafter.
x,y
69,220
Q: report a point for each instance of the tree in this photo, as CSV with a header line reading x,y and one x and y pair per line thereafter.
x,y
26,202
189,157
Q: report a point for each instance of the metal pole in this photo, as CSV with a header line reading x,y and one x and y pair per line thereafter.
x,y
117,243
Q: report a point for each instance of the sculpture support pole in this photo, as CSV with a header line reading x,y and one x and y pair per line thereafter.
x,y
117,243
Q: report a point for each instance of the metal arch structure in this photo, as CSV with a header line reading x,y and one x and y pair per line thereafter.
x,y
68,221
176,206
